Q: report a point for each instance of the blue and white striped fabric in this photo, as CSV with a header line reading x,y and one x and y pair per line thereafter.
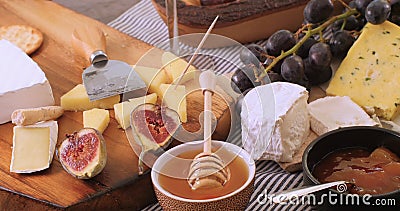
x,y
142,22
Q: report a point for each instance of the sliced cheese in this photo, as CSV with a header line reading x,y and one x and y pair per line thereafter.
x,y
370,74
175,66
174,97
275,121
78,100
123,110
330,113
33,147
153,77
96,118
23,84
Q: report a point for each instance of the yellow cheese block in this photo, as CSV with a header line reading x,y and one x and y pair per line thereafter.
x,y
175,66
96,118
175,98
370,74
151,98
123,110
78,100
33,147
152,77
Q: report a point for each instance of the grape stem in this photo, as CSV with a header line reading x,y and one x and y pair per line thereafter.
x,y
310,32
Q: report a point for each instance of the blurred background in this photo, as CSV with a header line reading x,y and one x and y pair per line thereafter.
x,y
102,10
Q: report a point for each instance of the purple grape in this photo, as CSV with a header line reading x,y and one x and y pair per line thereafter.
x,y
320,55
317,11
281,40
292,69
377,11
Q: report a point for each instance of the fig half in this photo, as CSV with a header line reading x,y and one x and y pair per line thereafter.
x,y
83,154
153,127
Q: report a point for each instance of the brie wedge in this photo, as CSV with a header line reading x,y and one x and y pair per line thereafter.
x,y
33,147
275,121
330,113
23,85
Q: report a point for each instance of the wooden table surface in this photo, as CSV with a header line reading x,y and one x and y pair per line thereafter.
x,y
118,186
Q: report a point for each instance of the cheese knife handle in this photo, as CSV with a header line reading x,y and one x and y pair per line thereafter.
x,y
90,43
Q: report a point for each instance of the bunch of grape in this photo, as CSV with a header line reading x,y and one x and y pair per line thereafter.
x,y
304,57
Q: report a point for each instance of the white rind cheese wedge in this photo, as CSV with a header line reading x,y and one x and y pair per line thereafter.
x,y
275,121
33,147
23,84
330,113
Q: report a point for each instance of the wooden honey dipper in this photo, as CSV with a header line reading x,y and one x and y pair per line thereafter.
x,y
207,169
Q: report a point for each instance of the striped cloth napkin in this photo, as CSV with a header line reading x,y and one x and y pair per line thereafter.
x,y
142,22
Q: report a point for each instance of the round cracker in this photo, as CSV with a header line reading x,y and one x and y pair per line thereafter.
x,y
25,37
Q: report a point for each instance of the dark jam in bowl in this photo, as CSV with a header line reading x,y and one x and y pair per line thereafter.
x,y
371,173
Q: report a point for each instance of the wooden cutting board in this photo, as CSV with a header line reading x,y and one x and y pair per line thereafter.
x,y
118,186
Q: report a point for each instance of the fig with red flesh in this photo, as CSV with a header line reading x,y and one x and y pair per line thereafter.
x,y
153,127
83,154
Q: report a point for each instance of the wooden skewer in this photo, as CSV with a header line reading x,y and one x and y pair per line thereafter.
x,y
197,51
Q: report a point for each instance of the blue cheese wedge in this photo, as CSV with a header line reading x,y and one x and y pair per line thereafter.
x,y
330,113
33,147
370,74
275,121
23,84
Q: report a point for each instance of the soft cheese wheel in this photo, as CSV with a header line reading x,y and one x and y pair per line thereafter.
x,y
275,121
330,113
370,74
23,84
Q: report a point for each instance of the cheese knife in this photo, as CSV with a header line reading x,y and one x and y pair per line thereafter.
x,y
105,78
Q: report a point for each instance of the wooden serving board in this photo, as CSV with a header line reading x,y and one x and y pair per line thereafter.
x,y
118,186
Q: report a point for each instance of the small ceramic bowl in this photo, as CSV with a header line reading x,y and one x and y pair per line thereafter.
x,y
236,200
365,137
